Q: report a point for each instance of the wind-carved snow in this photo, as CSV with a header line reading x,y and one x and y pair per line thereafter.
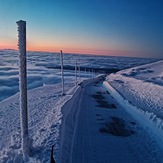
x,y
140,91
45,117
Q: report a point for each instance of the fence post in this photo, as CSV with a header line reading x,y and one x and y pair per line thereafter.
x,y
79,72
76,73
92,73
62,74
23,86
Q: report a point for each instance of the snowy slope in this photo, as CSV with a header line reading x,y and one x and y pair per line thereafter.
x,y
65,121
45,118
140,90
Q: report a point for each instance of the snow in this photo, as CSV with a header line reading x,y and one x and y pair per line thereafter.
x,y
44,120
87,133
139,90
47,108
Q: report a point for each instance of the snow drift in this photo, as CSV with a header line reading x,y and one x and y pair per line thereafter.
x,y
140,91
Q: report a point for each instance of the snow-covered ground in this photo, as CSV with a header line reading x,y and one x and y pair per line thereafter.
x,y
97,129
140,91
44,99
44,108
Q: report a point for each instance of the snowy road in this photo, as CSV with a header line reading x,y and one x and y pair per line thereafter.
x,y
96,129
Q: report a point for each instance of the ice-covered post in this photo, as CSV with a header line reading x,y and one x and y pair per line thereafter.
x,y
92,73
76,73
23,86
62,73
85,73
79,72
89,72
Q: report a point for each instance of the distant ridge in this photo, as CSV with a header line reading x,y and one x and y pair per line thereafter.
x,y
100,70
9,49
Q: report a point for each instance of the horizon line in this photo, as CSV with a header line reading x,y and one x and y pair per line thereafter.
x,y
87,53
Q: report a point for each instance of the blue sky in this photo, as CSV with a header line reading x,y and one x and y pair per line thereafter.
x,y
113,27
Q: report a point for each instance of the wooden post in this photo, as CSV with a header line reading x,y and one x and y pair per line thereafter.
x,y
23,86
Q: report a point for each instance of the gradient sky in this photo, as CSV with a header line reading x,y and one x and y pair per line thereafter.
x,y
113,27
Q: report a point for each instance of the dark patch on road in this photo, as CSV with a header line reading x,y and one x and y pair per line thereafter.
x,y
98,115
133,123
98,97
117,127
102,102
106,92
98,92
96,83
99,81
100,119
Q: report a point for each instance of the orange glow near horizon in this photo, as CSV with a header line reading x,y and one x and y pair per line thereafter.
x,y
8,44
57,46
78,50
66,49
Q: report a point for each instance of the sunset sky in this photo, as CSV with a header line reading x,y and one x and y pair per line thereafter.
x,y
107,27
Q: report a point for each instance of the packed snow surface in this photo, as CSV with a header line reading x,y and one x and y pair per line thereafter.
x,y
97,129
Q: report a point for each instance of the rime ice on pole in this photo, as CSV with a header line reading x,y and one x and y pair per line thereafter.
x,y
76,73
23,85
63,92
79,72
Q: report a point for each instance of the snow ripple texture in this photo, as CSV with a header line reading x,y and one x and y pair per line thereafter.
x,y
143,89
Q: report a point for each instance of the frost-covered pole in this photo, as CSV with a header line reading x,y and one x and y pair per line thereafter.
x,y
79,72
23,86
89,72
92,73
62,73
76,73
85,73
